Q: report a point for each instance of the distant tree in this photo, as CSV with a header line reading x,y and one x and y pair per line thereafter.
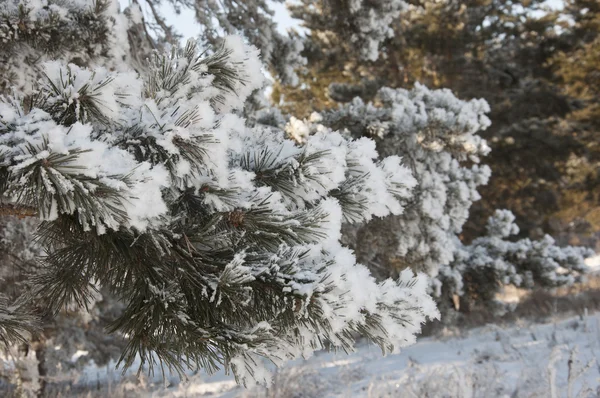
x,y
497,50
436,135
576,68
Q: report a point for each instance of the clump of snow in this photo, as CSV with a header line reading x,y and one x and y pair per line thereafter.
x,y
246,60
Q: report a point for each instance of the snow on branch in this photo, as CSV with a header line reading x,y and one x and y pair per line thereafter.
x,y
222,240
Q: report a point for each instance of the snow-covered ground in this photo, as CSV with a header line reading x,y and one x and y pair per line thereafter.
x,y
522,361
593,263
526,360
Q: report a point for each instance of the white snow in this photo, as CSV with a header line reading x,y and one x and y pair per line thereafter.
x,y
78,354
485,362
525,360
593,263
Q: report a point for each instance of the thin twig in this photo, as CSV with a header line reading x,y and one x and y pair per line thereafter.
x,y
8,209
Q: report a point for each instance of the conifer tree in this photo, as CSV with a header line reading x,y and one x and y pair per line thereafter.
x,y
86,34
497,50
222,241
576,69
437,135
491,49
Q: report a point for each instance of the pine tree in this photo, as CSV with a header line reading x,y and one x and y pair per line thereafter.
x,y
222,241
576,69
86,34
479,270
497,50
436,135
491,49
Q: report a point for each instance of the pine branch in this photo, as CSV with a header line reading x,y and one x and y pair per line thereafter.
x,y
285,175
17,322
68,107
59,30
174,71
234,254
170,36
51,183
353,206
194,150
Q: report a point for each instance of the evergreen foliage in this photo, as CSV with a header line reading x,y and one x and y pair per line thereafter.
x,y
350,25
33,32
18,254
437,135
134,192
222,241
544,155
251,19
90,33
576,68
479,270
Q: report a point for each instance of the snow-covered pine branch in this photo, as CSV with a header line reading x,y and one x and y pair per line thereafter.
x,y
223,241
251,19
32,32
85,32
435,133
